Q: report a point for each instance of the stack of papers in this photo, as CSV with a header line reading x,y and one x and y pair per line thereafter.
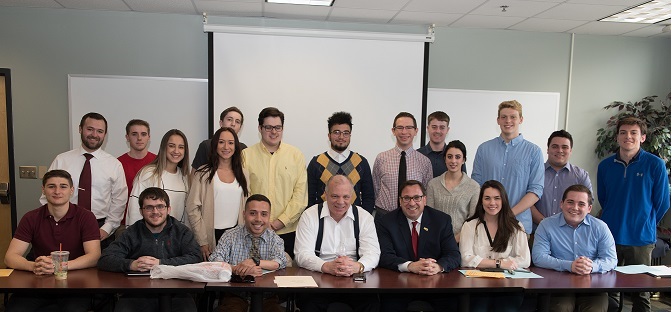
x,y
295,281
657,271
520,273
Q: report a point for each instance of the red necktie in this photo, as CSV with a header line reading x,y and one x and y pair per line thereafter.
x,y
414,239
84,195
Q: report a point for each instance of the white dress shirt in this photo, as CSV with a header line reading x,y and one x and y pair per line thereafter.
x,y
339,157
109,192
335,234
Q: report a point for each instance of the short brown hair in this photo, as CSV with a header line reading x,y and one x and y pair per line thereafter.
x,y
56,173
136,122
440,116
404,114
581,189
630,120
232,109
511,104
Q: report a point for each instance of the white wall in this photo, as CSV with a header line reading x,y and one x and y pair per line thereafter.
x,y
43,46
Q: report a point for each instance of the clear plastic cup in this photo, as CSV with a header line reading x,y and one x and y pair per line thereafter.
x,y
60,260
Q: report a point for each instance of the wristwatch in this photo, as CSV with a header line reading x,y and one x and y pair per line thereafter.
x,y
256,260
361,267
498,263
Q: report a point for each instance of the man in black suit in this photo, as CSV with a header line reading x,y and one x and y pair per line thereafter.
x,y
417,239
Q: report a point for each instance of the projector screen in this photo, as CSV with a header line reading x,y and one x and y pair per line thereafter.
x,y
310,78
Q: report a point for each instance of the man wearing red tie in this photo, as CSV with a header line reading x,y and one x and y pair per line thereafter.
x,y
99,180
417,239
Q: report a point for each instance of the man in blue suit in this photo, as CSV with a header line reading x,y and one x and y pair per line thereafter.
x,y
417,239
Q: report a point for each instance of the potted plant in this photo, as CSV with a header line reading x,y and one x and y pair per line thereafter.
x,y
657,118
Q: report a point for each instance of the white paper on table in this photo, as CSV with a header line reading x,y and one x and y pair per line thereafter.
x,y
295,281
659,270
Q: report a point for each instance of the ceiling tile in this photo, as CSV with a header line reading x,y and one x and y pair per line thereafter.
x,y
361,15
581,12
647,31
293,11
163,6
113,5
371,4
546,25
483,21
606,28
424,18
228,8
627,3
443,6
31,3
515,8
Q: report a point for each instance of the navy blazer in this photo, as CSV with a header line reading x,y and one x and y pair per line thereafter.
x,y
435,240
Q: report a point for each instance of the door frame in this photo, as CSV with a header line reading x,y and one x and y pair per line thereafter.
x,y
10,145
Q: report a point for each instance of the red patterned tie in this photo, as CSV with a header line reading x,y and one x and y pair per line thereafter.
x,y
414,239
84,195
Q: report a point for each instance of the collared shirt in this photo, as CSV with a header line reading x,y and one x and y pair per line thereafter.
x,y
109,192
339,157
39,228
280,176
403,267
436,158
555,184
235,244
518,165
386,175
335,234
557,244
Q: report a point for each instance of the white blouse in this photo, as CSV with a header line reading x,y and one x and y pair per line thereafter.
x,y
227,202
475,246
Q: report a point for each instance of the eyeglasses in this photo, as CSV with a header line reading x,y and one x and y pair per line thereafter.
x,y
346,134
271,128
401,128
150,208
415,198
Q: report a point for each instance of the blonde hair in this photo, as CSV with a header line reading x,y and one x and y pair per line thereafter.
x,y
511,104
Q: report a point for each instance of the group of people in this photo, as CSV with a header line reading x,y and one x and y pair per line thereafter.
x,y
261,208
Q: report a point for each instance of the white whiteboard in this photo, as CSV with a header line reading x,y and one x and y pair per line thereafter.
x,y
166,103
473,115
310,78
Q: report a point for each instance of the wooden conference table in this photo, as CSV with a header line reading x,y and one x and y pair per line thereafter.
x,y
378,281
92,281
387,281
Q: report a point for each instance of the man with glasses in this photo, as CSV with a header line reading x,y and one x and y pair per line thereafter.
x,y
394,167
278,171
339,159
417,239
156,239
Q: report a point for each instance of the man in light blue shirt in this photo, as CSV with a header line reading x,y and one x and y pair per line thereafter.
x,y
559,174
576,242
513,161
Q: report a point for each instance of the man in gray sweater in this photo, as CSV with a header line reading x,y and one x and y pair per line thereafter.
x,y
156,239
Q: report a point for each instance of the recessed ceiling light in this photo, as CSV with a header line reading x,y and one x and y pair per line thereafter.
x,y
647,13
304,2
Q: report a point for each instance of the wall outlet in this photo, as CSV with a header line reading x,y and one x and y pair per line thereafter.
x,y
28,172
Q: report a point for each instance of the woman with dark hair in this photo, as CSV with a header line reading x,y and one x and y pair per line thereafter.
x,y
218,192
454,192
169,171
493,238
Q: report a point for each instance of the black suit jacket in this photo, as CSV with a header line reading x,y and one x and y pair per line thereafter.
x,y
435,240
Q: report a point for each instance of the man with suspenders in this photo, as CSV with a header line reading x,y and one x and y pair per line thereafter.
x,y
340,240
